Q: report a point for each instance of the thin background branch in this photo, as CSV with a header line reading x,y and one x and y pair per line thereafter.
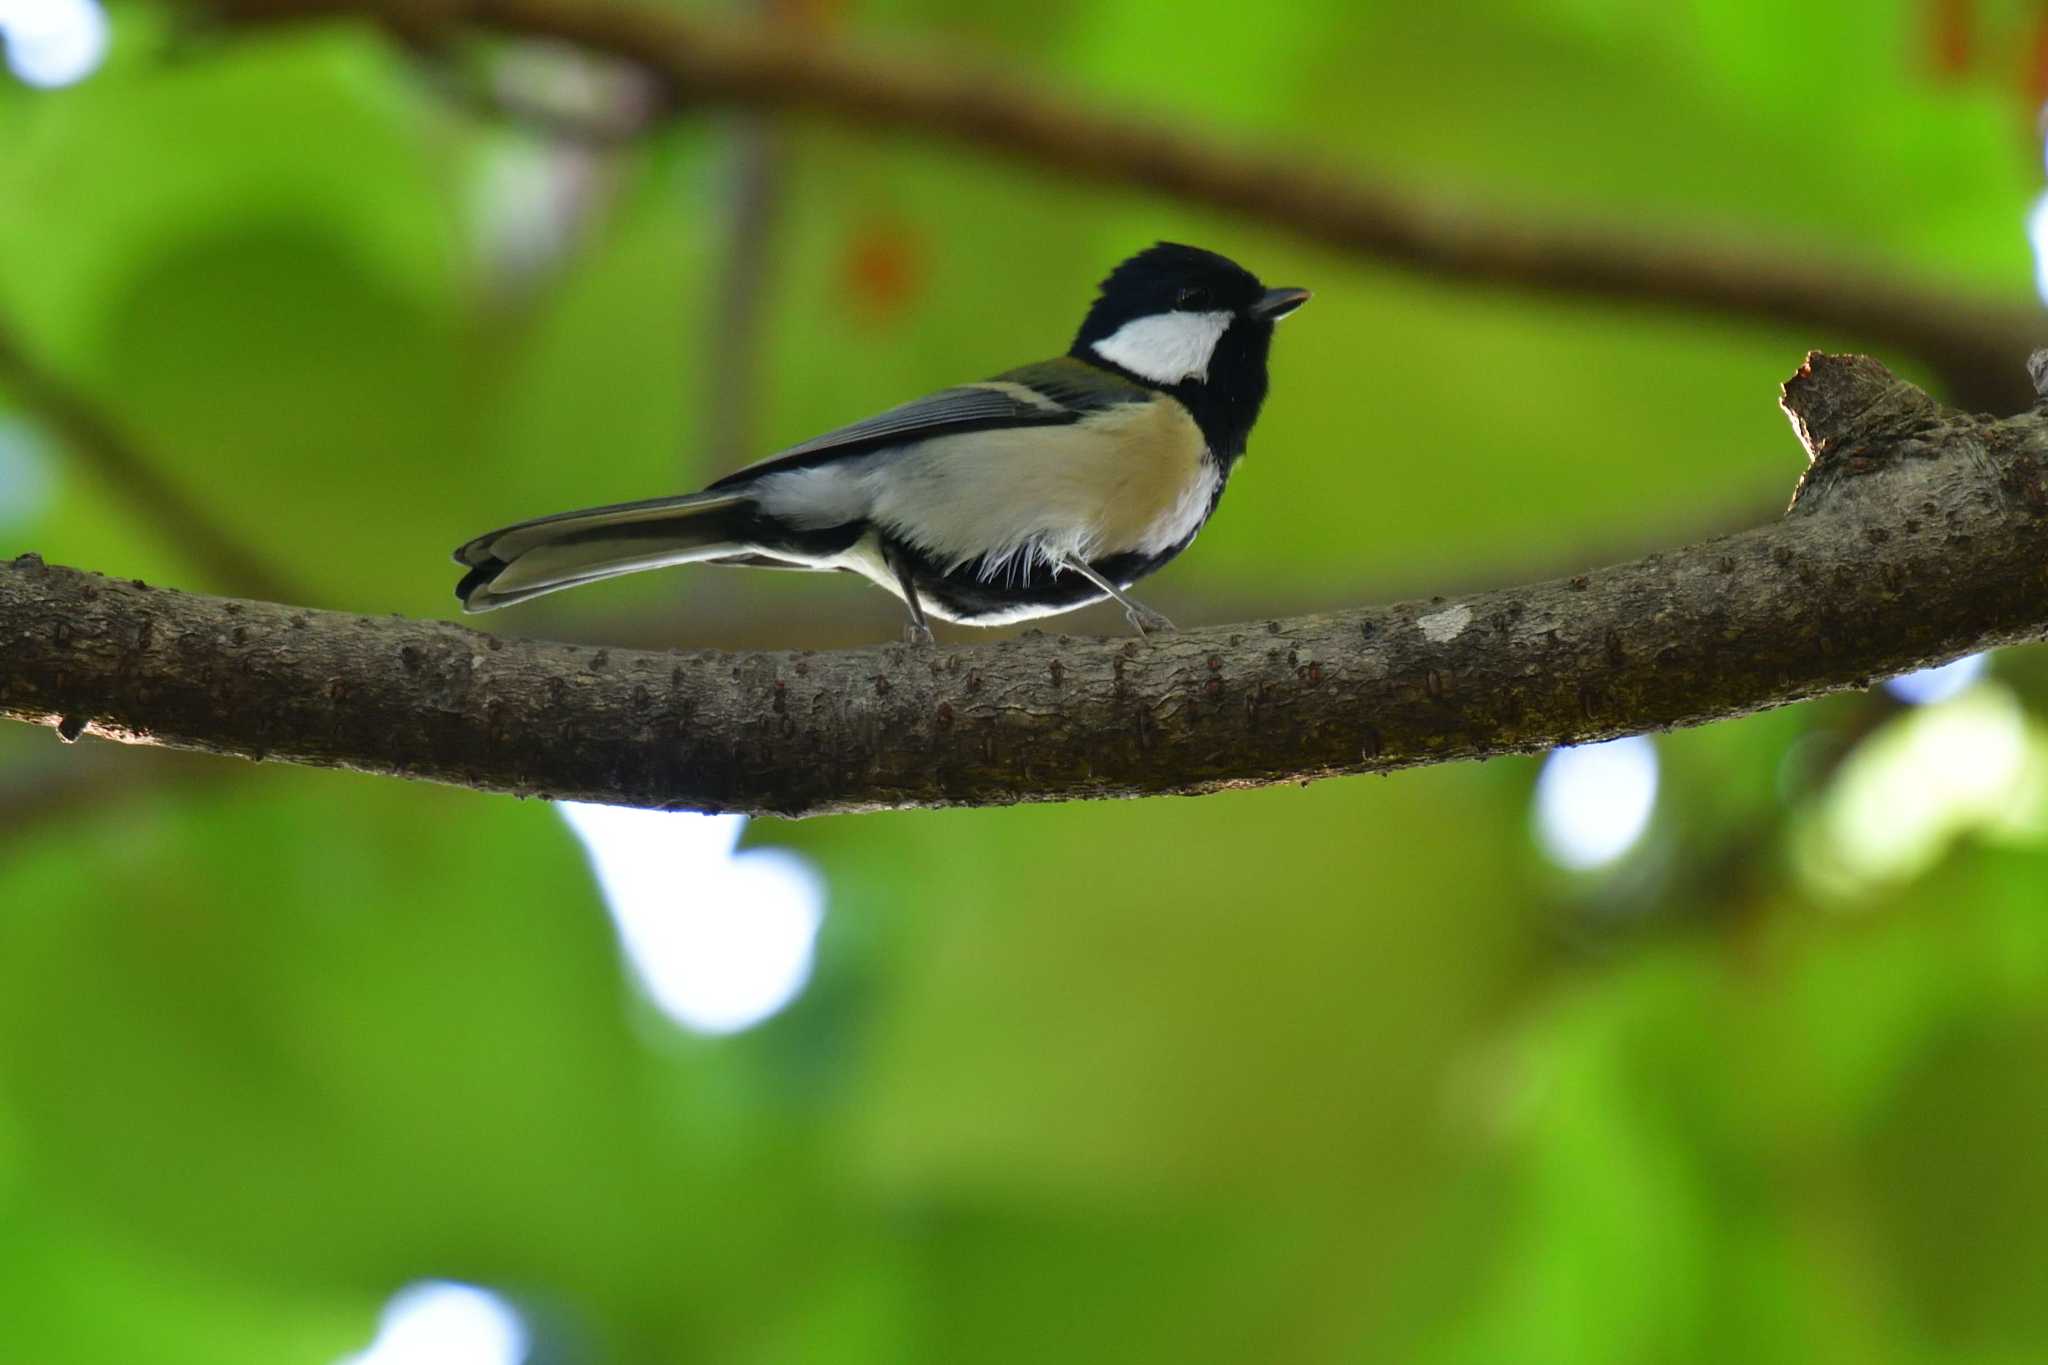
x,y
134,477
731,398
94,777
1970,346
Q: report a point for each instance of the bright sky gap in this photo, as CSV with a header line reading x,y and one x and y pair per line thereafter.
x,y
437,1322
1594,801
1931,685
53,43
719,940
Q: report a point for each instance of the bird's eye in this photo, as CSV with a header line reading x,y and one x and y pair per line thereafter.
x,y
1193,298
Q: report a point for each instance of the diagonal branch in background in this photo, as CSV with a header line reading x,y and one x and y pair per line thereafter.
x,y
1918,534
156,502
1968,346
93,780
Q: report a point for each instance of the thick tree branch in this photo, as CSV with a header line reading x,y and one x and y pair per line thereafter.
x,y
1919,534
702,62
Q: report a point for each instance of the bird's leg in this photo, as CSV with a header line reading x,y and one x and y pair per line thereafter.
x,y
919,631
1138,614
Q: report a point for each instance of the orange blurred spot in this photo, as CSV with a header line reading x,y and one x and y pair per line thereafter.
x,y
2035,81
1951,31
883,271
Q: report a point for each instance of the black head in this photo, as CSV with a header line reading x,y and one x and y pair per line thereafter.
x,y
1194,324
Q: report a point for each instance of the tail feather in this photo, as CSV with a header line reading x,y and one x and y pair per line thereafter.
x,y
547,554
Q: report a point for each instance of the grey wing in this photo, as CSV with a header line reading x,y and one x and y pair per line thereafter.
x,y
970,407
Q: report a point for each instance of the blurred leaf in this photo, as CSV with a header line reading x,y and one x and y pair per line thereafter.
x,y
1283,1076
292,1035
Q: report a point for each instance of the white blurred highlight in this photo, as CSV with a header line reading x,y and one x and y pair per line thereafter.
x,y
1594,801
2037,236
720,941
53,42
1934,685
535,197
439,1323
527,200
1973,765
27,479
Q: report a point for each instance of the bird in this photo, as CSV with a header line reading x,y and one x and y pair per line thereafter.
x,y
1047,488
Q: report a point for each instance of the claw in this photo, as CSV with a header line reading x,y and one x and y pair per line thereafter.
x,y
1145,620
914,634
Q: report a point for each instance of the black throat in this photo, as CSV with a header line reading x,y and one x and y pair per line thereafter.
x,y
1226,404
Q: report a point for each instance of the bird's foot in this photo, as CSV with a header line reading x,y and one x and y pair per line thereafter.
x,y
1146,621
917,634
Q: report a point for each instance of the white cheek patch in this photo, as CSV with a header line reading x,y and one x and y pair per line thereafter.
x,y
1166,347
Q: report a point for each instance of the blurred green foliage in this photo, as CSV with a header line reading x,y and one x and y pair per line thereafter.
x,y
1343,1073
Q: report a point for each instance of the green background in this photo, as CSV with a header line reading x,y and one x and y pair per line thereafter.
x,y
1344,1073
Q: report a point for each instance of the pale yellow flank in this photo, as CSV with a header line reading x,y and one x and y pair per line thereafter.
x,y
1130,479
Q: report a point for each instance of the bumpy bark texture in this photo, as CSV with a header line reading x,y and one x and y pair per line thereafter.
x,y
1917,534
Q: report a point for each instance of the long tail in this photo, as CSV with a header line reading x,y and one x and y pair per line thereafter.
x,y
572,548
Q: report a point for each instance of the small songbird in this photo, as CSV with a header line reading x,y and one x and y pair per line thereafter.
x,y
1039,491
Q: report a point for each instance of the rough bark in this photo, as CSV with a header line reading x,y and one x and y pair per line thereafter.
x,y
764,66
1918,534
